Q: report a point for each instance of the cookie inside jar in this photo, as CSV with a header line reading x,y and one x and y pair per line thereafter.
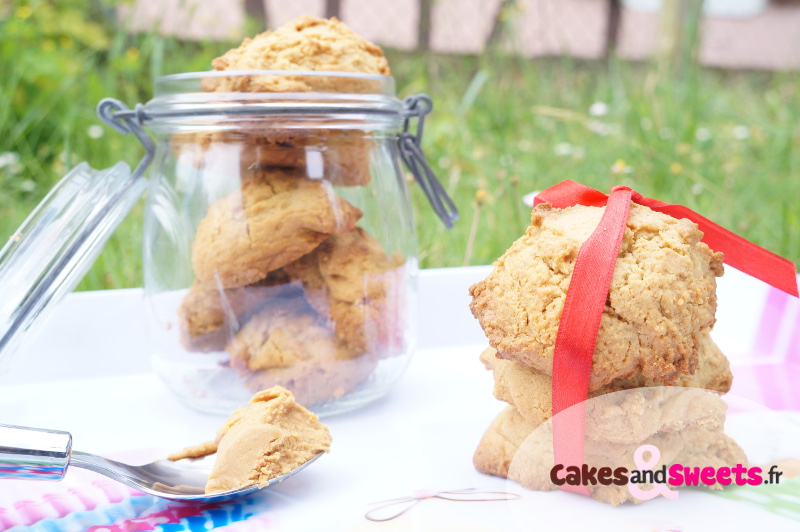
x,y
341,156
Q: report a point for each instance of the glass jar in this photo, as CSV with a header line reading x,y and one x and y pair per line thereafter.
x,y
279,245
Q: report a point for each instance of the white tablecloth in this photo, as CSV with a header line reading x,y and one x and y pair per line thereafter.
x,y
87,372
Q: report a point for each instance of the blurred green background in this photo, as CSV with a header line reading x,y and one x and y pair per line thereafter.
x,y
724,143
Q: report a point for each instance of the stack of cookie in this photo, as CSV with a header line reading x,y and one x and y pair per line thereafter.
x,y
654,330
285,281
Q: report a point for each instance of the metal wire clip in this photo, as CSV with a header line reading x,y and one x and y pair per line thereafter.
x,y
125,120
419,106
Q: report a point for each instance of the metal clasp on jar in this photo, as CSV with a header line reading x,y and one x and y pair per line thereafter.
x,y
419,106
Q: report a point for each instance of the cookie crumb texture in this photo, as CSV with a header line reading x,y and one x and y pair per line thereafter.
x,y
268,438
306,43
662,295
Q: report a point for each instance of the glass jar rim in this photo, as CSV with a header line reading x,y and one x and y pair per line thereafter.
x,y
204,98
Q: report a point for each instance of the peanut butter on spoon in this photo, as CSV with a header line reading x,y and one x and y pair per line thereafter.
x,y
269,437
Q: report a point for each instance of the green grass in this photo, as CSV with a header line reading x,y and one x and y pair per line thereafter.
x,y
55,65
722,143
681,141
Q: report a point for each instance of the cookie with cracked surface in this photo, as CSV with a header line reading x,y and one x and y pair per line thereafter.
x,y
351,279
306,43
531,390
662,294
208,318
516,449
276,217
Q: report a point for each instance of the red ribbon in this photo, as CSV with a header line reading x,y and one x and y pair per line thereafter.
x,y
588,289
739,253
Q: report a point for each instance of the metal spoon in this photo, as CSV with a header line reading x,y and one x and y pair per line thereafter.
x,y
39,454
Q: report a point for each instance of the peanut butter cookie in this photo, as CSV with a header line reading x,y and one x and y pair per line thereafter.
x,y
339,157
208,318
353,281
276,217
516,449
286,345
306,43
284,332
531,390
662,295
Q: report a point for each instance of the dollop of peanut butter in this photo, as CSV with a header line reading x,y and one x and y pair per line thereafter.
x,y
268,438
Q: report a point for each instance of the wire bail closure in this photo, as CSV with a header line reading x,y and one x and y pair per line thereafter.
x,y
121,118
419,106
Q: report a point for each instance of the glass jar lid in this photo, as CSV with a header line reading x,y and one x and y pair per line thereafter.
x,y
58,242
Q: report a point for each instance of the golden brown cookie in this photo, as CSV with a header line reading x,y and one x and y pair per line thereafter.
x,y
371,325
286,331
501,441
624,415
531,390
208,318
353,265
663,293
276,217
306,43
285,345
516,449
630,416
350,279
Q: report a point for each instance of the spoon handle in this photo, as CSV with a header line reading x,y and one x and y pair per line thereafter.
x,y
34,454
